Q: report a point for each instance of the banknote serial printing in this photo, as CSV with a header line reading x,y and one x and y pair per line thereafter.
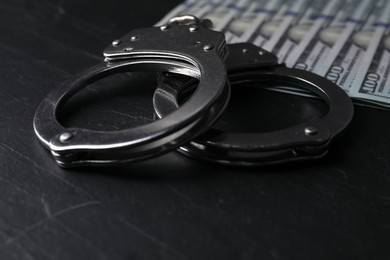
x,y
182,51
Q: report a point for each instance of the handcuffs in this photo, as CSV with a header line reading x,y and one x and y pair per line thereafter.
x,y
183,48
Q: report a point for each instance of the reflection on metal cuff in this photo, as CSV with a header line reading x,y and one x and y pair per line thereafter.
x,y
303,141
183,46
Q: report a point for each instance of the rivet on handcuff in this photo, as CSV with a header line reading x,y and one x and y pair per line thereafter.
x,y
185,46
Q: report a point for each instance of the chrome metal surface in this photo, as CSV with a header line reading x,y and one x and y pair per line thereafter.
x,y
248,63
150,49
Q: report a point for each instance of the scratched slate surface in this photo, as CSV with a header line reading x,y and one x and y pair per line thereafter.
x,y
169,207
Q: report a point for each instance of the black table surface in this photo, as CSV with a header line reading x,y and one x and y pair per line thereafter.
x,y
171,207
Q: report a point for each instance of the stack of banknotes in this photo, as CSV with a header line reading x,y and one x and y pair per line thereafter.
x,y
345,41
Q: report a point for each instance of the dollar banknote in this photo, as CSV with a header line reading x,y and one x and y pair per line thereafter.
x,y
353,14
225,12
272,31
372,81
359,50
299,35
246,26
346,41
301,32
312,44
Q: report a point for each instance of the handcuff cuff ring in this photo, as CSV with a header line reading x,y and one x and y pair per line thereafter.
x,y
250,64
183,46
